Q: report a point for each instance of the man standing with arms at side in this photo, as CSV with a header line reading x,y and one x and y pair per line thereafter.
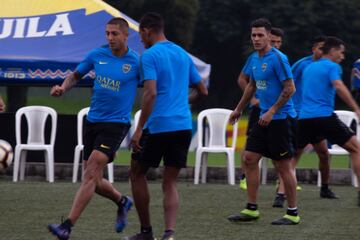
x,y
276,38
117,76
164,129
271,76
322,80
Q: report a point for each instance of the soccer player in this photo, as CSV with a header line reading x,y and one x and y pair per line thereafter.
x,y
276,37
322,79
355,81
117,76
320,148
2,105
271,77
164,128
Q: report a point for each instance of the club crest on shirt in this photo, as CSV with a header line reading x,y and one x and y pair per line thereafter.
x,y
263,67
126,68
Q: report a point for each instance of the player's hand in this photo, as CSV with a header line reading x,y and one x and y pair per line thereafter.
x,y
266,118
358,114
2,105
234,117
134,142
57,91
254,102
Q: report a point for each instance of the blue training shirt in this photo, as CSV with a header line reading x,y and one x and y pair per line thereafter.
x,y
356,75
247,71
269,72
115,84
319,92
297,70
174,71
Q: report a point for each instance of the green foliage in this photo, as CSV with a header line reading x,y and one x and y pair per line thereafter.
x,y
222,35
180,16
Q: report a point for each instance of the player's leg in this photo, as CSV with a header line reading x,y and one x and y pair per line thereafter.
x,y
150,155
175,158
322,152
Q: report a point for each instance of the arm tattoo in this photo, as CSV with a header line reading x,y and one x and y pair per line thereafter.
x,y
287,92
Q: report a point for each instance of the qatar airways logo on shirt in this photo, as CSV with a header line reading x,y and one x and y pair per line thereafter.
x,y
261,84
108,83
30,27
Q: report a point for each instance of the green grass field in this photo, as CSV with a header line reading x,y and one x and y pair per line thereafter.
x,y
308,160
27,207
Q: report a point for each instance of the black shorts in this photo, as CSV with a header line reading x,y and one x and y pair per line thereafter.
x,y
276,141
172,146
104,137
254,116
314,130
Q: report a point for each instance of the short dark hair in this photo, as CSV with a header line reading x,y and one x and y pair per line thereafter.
x,y
277,32
319,39
118,21
152,20
331,42
261,22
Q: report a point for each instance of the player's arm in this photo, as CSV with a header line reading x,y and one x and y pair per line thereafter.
x,y
286,93
345,95
200,90
147,103
242,81
68,83
2,105
250,89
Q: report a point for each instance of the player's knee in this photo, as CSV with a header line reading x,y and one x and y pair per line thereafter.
x,y
249,160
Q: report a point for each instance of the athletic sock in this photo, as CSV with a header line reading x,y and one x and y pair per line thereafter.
x,y
280,195
324,186
292,211
168,233
146,230
122,201
251,206
67,224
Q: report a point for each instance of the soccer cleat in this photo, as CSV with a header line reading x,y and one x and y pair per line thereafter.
x,y
287,220
245,215
298,188
279,201
243,185
170,237
60,231
122,213
327,193
141,236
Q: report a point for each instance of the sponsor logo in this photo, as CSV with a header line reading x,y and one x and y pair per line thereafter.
x,y
100,62
283,154
108,83
29,27
104,146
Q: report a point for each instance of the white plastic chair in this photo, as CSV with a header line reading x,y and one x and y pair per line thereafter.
x,y
346,117
80,147
217,120
36,119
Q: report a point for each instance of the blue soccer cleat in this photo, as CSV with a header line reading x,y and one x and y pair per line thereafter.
x,y
61,231
122,213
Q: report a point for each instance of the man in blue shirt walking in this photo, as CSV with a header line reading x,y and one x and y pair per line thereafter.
x,y
108,121
271,78
322,80
164,128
